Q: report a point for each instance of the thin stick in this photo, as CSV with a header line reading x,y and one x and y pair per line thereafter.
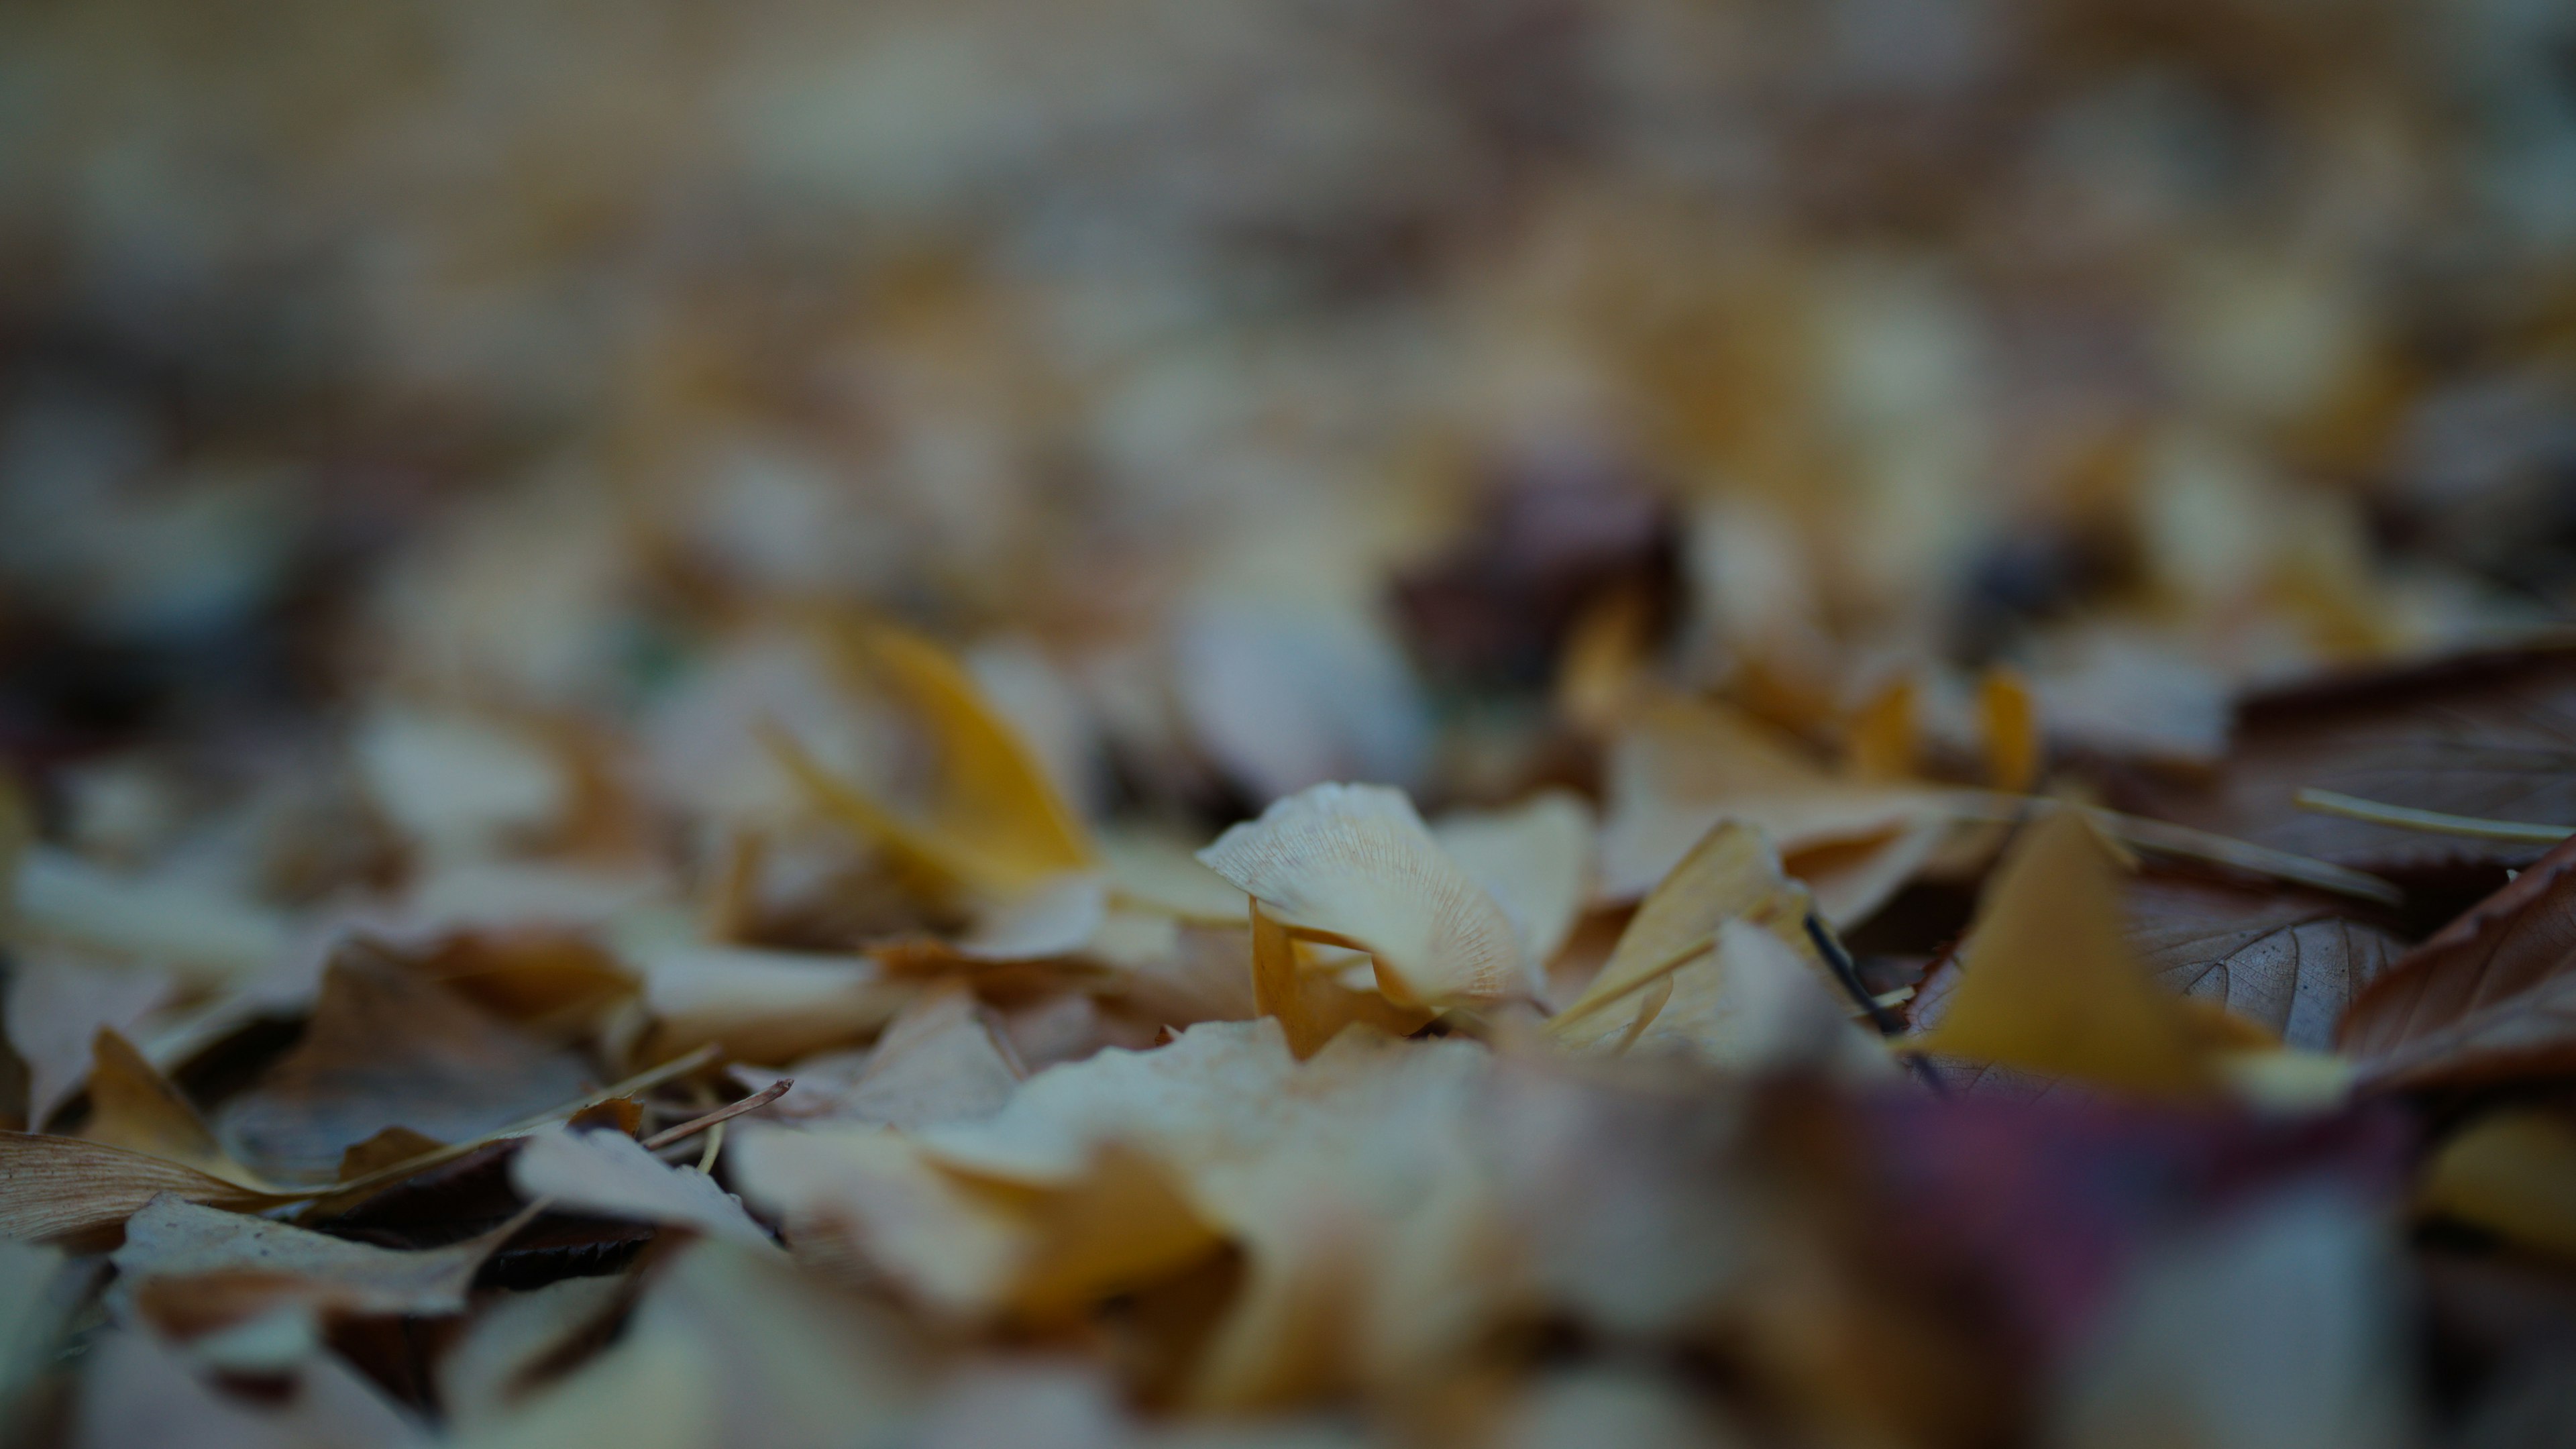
x,y
727,1112
1847,972
2406,817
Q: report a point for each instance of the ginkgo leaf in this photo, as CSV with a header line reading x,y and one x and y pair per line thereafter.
x,y
1732,874
2009,730
1534,859
191,1269
607,1173
1311,1007
995,824
57,1004
134,1107
2491,994
2051,985
1354,865
2513,1173
1682,766
63,1189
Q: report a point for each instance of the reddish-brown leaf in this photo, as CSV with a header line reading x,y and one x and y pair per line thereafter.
x,y
2492,995
2491,736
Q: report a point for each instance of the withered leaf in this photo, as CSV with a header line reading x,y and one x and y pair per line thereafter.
x,y
2287,959
191,1269
388,1048
610,1174
2491,995
2489,736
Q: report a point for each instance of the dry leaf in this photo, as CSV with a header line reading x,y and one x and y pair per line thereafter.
x,y
2485,736
1684,765
1731,874
139,1393
62,1189
609,1174
387,1048
56,1005
2008,719
2513,1173
764,1005
1534,859
2490,995
193,1270
2051,985
134,1107
1354,865
2287,960
1312,1008
514,1339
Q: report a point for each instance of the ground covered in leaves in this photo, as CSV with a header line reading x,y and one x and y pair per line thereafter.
x,y
1274,722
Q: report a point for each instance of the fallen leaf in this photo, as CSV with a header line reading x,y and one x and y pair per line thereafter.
x,y
515,1338
188,929
1311,1007
1534,859
2009,729
138,1392
1731,874
2288,960
764,1005
385,1048
2511,1172
608,1174
62,1189
995,825
1684,765
2489,736
2051,985
191,1270
134,1107
2490,995
1355,866
37,1297
56,1004
940,1061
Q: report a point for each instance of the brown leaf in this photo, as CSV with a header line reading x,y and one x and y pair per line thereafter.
x,y
2492,994
62,1189
57,1003
2490,736
192,1269
385,1048
2289,960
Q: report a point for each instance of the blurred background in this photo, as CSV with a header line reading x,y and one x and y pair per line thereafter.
x,y
1261,391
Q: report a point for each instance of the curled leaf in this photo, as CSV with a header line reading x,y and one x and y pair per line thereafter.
x,y
1355,866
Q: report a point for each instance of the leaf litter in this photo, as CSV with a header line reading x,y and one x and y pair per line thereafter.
x,y
1519,724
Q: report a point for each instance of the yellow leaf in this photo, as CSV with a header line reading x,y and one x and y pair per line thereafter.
x,y
2009,717
1730,875
1881,742
2050,984
998,816
1355,866
1312,1009
2512,1173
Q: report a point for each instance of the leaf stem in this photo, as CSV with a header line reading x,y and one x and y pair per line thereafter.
x,y
2406,817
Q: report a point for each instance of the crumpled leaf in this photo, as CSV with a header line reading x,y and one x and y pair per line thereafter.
x,y
1311,1007
388,1048
1534,859
1355,866
2491,995
2051,985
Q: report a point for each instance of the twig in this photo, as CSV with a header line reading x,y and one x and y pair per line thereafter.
x,y
725,1113
2406,817
1847,972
